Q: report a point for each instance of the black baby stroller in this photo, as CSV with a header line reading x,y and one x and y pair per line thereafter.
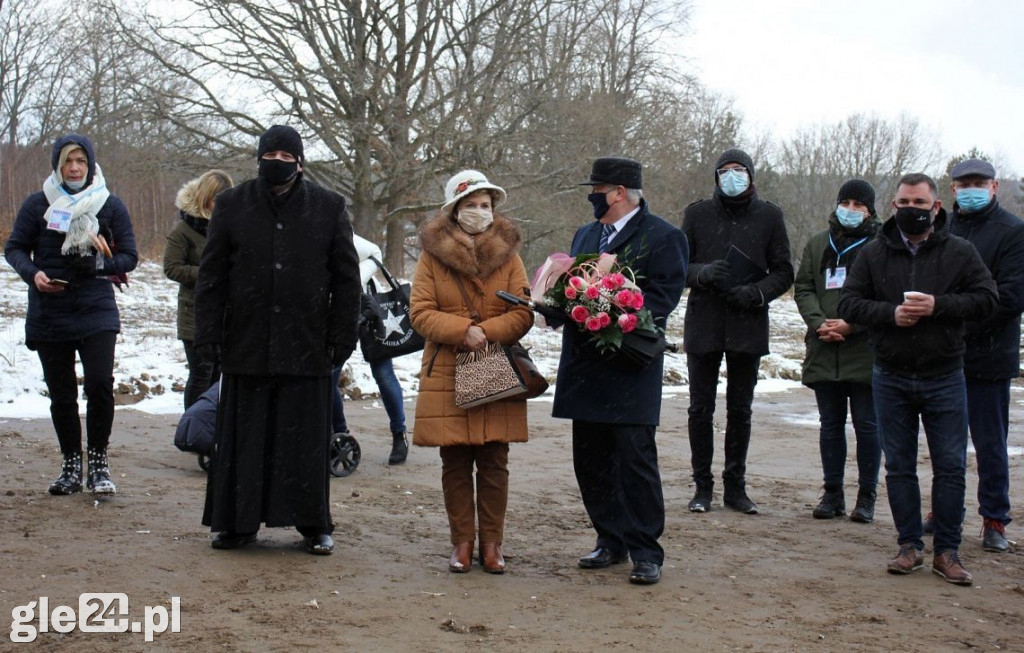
x,y
196,428
344,454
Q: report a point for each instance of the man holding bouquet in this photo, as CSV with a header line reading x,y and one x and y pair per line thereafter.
x,y
614,403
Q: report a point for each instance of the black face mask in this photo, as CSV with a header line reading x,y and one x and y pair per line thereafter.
x,y
277,172
913,221
600,204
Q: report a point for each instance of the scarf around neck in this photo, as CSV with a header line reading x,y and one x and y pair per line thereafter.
x,y
84,206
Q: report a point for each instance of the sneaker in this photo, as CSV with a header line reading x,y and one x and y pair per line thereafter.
x,y
865,510
399,448
947,564
993,536
99,473
832,504
929,524
908,559
737,500
70,479
701,501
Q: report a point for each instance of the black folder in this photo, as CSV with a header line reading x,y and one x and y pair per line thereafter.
x,y
743,270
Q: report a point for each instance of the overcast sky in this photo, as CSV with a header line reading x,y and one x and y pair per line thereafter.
x,y
957,66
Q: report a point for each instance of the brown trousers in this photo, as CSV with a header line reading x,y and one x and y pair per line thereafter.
x,y
491,490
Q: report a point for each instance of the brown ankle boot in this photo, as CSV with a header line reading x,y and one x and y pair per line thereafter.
x,y
459,562
491,558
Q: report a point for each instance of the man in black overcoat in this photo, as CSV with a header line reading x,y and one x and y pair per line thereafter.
x,y
739,262
276,301
615,411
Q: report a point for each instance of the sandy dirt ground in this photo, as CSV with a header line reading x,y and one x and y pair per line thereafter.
x,y
778,581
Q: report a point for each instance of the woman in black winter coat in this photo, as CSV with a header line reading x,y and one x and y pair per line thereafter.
x,y
69,242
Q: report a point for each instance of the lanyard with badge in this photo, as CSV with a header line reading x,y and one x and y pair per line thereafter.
x,y
60,217
834,279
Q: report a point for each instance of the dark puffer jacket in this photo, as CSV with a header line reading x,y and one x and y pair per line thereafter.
x,y
993,344
87,305
945,266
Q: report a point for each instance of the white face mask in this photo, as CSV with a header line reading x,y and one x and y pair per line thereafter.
x,y
475,221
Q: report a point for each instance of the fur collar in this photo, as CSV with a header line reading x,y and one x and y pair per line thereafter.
x,y
187,202
472,256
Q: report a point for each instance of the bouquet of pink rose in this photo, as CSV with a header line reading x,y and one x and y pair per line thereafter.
x,y
597,293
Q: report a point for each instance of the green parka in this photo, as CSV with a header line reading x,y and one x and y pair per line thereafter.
x,y
849,360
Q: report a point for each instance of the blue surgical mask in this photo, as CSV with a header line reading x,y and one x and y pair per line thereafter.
x,y
733,182
973,199
75,185
849,219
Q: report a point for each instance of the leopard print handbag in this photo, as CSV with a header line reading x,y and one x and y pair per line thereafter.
x,y
485,376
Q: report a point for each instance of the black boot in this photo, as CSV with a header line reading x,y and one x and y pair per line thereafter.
x,y
832,504
70,479
865,510
399,448
701,501
735,496
99,472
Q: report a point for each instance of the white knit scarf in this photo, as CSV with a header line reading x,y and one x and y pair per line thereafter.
x,y
84,205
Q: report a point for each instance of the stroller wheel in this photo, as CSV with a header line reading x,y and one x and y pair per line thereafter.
x,y
345,454
204,462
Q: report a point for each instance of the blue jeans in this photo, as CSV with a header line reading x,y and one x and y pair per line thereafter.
x,y
940,404
390,394
988,412
832,397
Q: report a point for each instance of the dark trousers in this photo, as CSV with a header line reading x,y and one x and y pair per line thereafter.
x,y
617,470
741,369
988,413
940,404
58,361
832,398
488,509
201,374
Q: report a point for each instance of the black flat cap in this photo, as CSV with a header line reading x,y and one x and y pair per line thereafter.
x,y
617,171
973,168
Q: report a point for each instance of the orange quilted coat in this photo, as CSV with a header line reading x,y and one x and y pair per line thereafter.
x,y
486,262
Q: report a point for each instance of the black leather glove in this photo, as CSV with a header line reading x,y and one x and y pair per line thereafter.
x,y
555,317
370,318
714,274
105,231
745,297
81,267
339,355
209,353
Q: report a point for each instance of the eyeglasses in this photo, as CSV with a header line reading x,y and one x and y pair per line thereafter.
x,y
722,171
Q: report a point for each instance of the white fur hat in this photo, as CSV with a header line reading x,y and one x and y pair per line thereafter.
x,y
466,183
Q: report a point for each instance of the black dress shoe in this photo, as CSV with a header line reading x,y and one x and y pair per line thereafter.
x,y
319,545
600,558
229,540
645,572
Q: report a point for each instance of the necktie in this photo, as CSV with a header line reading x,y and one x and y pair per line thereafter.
x,y
606,234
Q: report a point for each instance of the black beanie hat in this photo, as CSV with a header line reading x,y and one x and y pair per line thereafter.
x,y
735,155
860,190
281,138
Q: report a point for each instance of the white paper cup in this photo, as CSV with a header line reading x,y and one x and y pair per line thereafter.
x,y
913,296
